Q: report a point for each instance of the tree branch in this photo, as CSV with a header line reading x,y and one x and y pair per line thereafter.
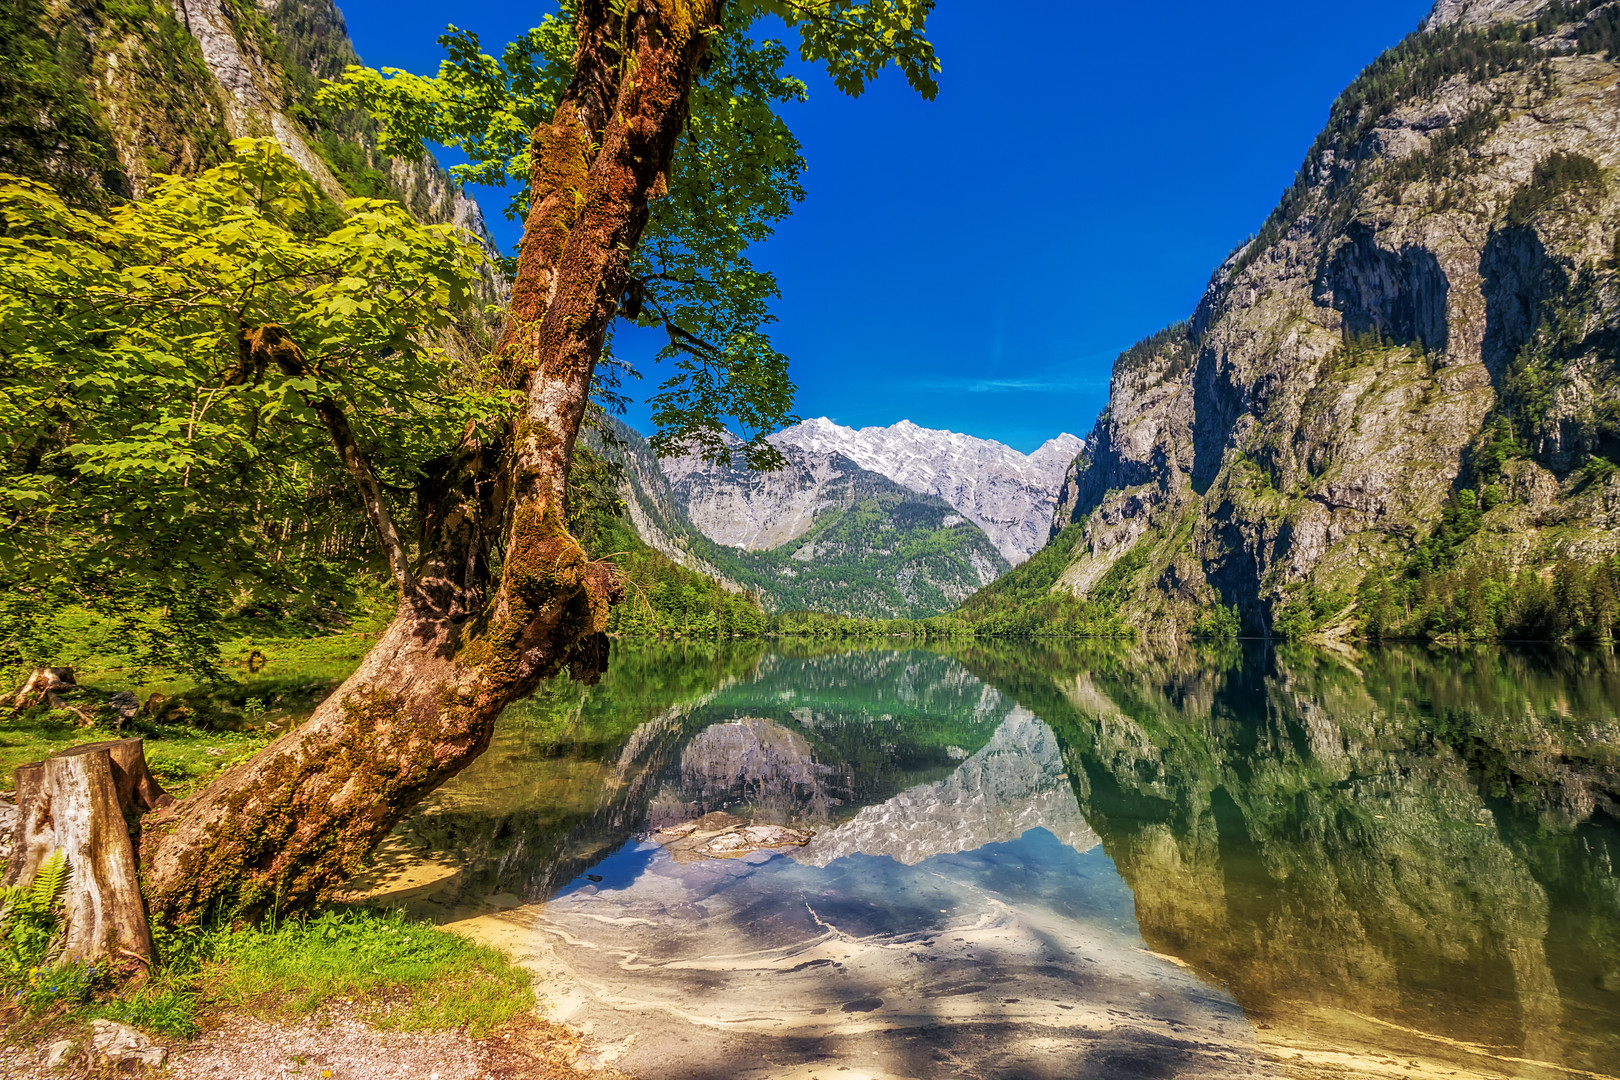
x,y
271,344
679,334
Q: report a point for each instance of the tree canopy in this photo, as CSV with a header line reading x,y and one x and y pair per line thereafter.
x,y
148,466
157,470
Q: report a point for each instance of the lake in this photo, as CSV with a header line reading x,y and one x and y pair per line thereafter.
x,y
1032,862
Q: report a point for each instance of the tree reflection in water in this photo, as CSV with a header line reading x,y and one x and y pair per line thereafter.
x,y
1394,851
1365,845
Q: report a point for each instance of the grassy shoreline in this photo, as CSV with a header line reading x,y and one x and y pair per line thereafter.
x,y
388,971
378,967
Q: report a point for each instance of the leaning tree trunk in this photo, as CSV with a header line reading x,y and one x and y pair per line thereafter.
x,y
291,824
81,802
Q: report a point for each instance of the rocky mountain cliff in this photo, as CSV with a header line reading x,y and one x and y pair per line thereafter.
x,y
655,513
897,521
1007,494
759,511
100,98
821,534
1408,379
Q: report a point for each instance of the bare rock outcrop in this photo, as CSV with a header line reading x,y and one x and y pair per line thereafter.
x,y
1340,382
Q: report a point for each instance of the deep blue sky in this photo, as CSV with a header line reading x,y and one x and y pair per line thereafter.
x,y
977,262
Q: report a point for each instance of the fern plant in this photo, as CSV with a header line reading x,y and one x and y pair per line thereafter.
x,y
29,918
30,924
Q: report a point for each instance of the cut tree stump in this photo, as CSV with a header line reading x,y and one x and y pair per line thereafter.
x,y
85,801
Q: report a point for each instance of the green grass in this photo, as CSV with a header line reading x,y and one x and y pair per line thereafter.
x,y
182,758
195,728
408,975
102,646
403,975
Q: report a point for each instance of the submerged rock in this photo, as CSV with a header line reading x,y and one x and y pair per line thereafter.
x,y
720,835
772,766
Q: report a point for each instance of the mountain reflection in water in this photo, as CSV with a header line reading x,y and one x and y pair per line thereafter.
x,y
1397,862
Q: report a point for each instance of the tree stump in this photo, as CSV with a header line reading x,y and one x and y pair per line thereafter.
x,y
85,801
46,684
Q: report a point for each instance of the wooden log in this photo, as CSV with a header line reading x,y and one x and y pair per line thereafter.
x,y
85,801
45,684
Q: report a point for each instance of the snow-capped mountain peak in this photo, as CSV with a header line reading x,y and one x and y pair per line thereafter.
x,y
1008,494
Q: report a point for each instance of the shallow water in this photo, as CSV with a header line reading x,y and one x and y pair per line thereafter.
x,y
1048,863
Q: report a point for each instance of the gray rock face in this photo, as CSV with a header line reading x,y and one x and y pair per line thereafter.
x,y
759,511
246,78
658,517
1007,494
1255,453
251,84
1481,12
1015,783
117,1043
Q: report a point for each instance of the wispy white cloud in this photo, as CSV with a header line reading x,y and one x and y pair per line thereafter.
x,y
1079,373
965,385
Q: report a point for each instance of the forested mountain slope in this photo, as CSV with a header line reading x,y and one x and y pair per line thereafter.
x,y
98,98
1397,408
1007,494
821,534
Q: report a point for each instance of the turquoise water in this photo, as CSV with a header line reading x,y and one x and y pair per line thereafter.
x,y
1232,862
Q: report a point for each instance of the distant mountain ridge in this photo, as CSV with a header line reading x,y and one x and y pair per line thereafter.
x,y
1010,495
902,521
822,534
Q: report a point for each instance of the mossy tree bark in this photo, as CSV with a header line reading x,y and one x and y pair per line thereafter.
x,y
504,595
